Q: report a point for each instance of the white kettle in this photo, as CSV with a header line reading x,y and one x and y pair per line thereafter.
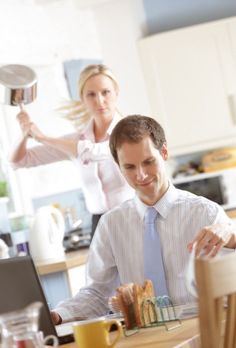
x,y
46,234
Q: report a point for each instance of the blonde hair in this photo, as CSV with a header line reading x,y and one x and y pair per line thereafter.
x,y
74,110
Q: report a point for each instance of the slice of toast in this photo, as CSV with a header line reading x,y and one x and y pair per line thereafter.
x,y
133,300
143,310
126,302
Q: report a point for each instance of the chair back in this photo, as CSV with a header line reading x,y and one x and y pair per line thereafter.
x,y
216,284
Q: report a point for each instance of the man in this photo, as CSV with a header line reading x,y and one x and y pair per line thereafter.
x,y
139,147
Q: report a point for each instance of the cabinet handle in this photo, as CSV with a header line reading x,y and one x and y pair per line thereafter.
x,y
232,107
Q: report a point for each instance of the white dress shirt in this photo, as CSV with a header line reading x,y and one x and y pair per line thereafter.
x,y
116,252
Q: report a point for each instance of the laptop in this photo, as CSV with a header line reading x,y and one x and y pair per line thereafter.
x,y
20,286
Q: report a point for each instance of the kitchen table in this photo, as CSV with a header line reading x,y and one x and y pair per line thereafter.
x,y
185,336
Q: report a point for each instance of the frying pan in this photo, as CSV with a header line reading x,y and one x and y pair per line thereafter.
x,y
18,85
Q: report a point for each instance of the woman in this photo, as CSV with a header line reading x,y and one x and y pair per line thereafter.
x,y
102,183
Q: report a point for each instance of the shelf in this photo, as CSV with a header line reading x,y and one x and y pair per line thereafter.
x,y
202,176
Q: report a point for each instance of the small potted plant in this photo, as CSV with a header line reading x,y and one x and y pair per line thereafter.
x,y
3,189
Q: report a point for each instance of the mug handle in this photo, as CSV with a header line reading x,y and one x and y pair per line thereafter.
x,y
53,338
108,325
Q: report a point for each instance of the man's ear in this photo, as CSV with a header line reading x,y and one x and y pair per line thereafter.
x,y
164,152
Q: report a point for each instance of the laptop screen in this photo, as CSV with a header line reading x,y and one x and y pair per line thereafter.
x,y
20,286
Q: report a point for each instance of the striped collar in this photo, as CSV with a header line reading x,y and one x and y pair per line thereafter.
x,y
163,206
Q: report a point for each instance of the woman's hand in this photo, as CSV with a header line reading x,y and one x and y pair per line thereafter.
x,y
24,123
28,128
35,132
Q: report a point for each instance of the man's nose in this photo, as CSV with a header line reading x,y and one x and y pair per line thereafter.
x,y
141,174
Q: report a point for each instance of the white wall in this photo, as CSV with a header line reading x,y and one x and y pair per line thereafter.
x,y
120,24
43,34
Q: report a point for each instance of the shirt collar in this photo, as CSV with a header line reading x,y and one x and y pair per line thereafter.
x,y
163,206
88,130
114,122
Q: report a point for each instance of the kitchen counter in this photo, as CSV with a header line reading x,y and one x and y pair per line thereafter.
x,y
70,260
231,213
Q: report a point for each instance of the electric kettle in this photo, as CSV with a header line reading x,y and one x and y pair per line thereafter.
x,y
46,234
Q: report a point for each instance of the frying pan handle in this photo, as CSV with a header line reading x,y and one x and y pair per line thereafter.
x,y
21,106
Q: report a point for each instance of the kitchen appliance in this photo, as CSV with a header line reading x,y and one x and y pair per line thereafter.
x,y
46,234
18,85
3,250
219,159
217,186
76,239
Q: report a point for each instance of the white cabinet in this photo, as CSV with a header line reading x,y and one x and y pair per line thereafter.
x,y
190,76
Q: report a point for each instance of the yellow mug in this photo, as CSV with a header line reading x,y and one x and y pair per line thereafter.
x,y
95,333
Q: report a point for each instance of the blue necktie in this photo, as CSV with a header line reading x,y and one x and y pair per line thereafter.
x,y
153,262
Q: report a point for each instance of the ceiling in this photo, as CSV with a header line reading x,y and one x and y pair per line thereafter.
x,y
80,3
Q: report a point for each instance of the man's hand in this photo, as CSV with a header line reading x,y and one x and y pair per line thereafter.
x,y
55,318
211,239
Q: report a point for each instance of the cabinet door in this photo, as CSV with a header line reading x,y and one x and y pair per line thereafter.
x,y
191,81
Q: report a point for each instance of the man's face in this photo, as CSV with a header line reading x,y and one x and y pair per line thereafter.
x,y
143,166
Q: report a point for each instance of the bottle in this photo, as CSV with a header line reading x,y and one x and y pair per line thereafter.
x,y
4,250
68,220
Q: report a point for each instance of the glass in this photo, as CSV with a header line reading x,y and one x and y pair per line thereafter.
x,y
19,329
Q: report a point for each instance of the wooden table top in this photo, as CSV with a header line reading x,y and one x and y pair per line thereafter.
x,y
159,337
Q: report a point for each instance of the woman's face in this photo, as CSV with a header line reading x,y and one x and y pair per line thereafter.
x,y
100,97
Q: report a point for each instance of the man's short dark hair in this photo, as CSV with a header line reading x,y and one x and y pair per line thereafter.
x,y
132,129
